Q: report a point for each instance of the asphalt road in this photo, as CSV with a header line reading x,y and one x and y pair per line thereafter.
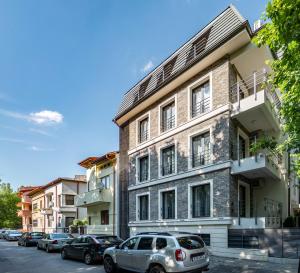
x,y
14,259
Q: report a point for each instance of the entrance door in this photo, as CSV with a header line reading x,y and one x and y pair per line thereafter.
x,y
242,201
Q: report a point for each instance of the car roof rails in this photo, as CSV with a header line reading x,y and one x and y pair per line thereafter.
x,y
154,233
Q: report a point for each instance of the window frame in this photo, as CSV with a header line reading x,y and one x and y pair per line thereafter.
x,y
192,86
204,130
105,177
137,164
160,107
137,126
137,206
161,148
160,203
190,198
66,199
242,134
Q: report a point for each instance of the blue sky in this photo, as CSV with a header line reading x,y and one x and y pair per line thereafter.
x,y
64,66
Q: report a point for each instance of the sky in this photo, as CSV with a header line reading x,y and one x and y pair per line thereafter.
x,y
65,65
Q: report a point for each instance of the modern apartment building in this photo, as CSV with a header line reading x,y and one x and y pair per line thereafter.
x,y
53,205
185,135
101,198
25,207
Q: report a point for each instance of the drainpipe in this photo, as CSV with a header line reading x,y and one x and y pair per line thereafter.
x,y
114,197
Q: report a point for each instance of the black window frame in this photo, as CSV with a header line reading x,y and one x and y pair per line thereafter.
x,y
143,135
200,158
72,199
141,173
168,168
200,212
168,212
203,106
140,213
168,123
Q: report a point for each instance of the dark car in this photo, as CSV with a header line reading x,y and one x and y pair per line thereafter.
x,y
30,238
54,241
89,248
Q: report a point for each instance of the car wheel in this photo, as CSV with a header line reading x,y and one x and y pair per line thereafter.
x,y
109,265
88,258
156,269
64,254
19,243
48,249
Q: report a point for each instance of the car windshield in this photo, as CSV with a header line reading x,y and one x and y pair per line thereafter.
x,y
108,239
190,242
14,232
61,236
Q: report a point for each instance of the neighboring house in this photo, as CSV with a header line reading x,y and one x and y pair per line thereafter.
x,y
101,198
53,208
25,207
185,136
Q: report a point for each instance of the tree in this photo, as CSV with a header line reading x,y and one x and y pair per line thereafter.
x,y
281,34
8,207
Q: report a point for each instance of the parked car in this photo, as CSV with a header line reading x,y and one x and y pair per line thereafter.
x,y
53,241
158,252
30,238
2,233
12,235
89,248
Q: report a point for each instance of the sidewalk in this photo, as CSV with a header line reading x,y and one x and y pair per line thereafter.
x,y
231,265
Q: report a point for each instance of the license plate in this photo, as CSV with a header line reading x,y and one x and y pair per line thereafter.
x,y
197,257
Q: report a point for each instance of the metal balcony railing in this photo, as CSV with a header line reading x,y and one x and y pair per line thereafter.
x,y
200,107
168,123
168,168
251,85
200,159
143,136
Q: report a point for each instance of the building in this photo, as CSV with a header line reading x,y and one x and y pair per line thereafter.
x,y
53,207
25,207
186,132
101,198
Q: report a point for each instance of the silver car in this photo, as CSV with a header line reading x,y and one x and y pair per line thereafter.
x,y
13,235
158,252
54,241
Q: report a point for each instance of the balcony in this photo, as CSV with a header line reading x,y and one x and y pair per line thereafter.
x,y
258,166
93,197
24,213
253,104
67,209
47,211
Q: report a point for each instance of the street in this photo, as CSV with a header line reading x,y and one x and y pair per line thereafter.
x,y
14,259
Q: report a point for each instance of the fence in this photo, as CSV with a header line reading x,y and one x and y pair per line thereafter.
x,y
281,243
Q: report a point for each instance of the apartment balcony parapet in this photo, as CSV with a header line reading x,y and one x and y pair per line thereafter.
x,y
94,197
24,213
261,165
47,211
253,96
63,209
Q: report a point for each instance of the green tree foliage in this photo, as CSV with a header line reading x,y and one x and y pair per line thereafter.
x,y
8,207
281,34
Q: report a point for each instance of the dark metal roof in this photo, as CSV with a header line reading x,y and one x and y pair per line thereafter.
x,y
210,37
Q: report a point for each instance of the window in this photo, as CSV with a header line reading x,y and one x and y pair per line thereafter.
x,y
130,243
145,243
34,206
69,199
168,204
104,217
168,117
143,168
35,223
105,181
59,201
143,206
200,150
69,221
143,130
200,99
201,201
161,243
168,160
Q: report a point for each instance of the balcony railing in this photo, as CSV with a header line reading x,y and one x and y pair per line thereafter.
x,y
251,85
168,168
143,136
200,107
200,159
168,123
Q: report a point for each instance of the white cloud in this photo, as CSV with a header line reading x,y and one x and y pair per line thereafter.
x,y
14,140
148,66
44,117
38,131
39,149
